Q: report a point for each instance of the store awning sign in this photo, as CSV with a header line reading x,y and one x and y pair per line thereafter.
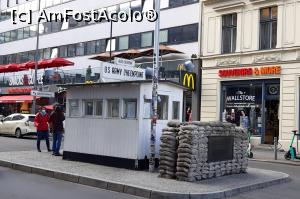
x,y
256,71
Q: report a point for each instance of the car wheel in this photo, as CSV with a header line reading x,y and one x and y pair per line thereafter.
x,y
18,133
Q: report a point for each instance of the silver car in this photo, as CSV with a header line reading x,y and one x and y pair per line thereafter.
x,y
18,124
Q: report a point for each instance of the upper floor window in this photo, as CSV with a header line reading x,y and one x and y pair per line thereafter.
x,y
268,28
229,22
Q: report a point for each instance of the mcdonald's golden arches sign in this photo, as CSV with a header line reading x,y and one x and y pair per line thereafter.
x,y
188,80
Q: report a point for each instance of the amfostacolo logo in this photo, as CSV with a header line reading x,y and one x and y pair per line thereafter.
x,y
189,80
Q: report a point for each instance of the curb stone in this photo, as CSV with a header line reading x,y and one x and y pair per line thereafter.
x,y
137,191
277,162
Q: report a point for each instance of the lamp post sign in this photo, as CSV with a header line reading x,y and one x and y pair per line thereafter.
x,y
42,94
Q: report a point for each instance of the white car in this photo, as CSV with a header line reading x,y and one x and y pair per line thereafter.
x,y
18,124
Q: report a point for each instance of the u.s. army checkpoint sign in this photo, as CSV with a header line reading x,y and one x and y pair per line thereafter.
x,y
113,72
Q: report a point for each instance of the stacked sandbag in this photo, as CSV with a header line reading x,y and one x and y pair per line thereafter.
x,y
168,146
192,162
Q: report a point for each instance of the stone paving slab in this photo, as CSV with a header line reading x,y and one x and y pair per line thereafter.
x,y
139,183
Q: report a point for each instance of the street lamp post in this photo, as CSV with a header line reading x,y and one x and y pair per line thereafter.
x,y
36,59
154,88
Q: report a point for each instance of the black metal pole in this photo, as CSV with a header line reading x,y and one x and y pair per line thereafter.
x,y
36,59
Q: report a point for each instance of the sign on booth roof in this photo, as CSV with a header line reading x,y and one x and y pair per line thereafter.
x,y
124,62
112,72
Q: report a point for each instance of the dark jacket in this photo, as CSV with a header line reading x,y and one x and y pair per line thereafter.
x,y
56,121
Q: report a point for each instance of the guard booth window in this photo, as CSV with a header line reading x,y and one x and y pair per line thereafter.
x,y
162,107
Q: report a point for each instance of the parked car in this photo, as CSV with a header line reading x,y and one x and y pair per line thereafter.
x,y
18,124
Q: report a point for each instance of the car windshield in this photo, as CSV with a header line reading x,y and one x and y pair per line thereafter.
x,y
31,118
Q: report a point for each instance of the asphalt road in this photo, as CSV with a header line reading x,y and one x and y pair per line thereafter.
x,y
289,190
19,185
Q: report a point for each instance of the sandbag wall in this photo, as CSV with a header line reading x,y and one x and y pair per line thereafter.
x,y
168,147
192,151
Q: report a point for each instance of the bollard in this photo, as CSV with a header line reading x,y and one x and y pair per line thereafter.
x,y
275,147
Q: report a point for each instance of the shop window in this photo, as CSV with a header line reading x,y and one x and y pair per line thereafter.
x,y
113,45
182,34
113,108
99,108
148,5
7,36
90,47
136,5
176,110
33,30
268,28
100,46
162,107
71,50
88,107
130,108
147,39
243,106
229,33
54,52
47,53
125,7
74,108
135,41
163,36
47,27
1,38
123,43
79,49
56,26
20,33
63,51
13,35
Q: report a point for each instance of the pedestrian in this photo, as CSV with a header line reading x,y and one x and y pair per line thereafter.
x,y
41,123
189,115
56,123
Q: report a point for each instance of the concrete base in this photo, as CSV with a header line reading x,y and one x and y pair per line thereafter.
x,y
138,183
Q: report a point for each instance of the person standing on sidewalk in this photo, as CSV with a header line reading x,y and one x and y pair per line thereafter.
x,y
41,123
56,122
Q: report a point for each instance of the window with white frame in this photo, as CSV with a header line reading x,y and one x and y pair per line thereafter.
x,y
162,107
99,108
113,108
74,108
176,112
88,107
130,108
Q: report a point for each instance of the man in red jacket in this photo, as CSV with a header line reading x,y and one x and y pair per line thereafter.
x,y
41,123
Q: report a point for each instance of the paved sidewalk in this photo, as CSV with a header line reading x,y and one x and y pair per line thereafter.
x,y
266,154
139,183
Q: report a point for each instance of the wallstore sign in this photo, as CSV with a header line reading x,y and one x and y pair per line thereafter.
x,y
256,71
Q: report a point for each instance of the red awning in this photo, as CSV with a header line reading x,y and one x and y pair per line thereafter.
x,y
16,98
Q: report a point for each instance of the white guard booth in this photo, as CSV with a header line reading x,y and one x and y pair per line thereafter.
x,y
109,123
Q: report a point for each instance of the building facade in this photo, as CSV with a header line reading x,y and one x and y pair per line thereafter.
x,y
79,41
251,61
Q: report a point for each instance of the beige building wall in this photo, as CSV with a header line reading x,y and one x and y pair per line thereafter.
x,y
286,54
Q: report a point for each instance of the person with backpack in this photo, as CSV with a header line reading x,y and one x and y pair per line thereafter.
x,y
56,123
41,123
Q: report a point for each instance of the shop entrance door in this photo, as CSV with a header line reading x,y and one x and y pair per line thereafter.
x,y
271,113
